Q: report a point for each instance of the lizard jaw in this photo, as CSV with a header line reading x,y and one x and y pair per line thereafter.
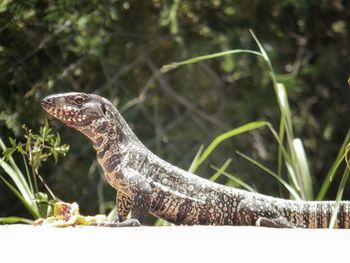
x,y
69,115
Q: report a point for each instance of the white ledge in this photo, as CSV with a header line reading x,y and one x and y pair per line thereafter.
x,y
216,244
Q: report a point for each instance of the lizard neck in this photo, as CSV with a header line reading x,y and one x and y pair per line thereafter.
x,y
109,135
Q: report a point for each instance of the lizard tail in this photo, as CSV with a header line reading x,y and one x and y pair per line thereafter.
x,y
317,214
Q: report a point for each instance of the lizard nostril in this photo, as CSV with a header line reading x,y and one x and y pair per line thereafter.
x,y
46,101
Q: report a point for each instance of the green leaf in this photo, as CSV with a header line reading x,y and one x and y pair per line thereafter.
x,y
45,131
15,220
262,50
58,139
195,159
8,152
220,170
112,214
304,170
20,149
12,142
18,179
346,155
339,196
29,204
292,176
36,149
37,138
55,155
224,136
175,65
162,222
236,180
284,105
42,200
62,149
334,168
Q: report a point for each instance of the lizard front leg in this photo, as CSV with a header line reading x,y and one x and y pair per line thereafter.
x,y
123,203
134,196
123,207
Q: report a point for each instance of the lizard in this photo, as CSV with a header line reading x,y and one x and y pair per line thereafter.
x,y
145,183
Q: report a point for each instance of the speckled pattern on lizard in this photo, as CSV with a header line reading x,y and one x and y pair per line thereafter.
x,y
147,184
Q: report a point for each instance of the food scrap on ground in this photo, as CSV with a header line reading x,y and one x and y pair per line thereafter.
x,y
66,214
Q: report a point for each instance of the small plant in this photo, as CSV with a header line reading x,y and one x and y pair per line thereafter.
x,y
35,150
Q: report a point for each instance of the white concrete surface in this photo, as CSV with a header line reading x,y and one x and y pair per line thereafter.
x,y
22,243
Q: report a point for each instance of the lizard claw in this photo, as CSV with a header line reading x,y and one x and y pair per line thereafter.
x,y
132,222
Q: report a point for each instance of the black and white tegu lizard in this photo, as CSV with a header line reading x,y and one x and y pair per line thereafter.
x,y
147,184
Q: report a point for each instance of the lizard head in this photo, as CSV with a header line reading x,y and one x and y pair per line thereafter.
x,y
79,110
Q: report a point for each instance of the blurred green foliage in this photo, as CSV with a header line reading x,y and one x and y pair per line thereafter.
x,y
115,48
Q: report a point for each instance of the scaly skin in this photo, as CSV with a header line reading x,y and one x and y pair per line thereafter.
x,y
147,184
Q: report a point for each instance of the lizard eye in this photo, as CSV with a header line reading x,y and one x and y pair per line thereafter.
x,y
104,110
78,100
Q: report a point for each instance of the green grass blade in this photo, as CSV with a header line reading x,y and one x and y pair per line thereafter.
x,y
283,155
30,205
280,148
339,197
330,175
267,60
11,161
18,179
162,222
236,180
195,159
30,185
329,178
15,220
279,140
292,176
346,155
262,50
112,214
224,136
16,175
286,115
280,153
284,104
305,177
220,170
293,161
264,168
175,65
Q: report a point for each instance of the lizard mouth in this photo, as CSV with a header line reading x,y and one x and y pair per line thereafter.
x,y
69,115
